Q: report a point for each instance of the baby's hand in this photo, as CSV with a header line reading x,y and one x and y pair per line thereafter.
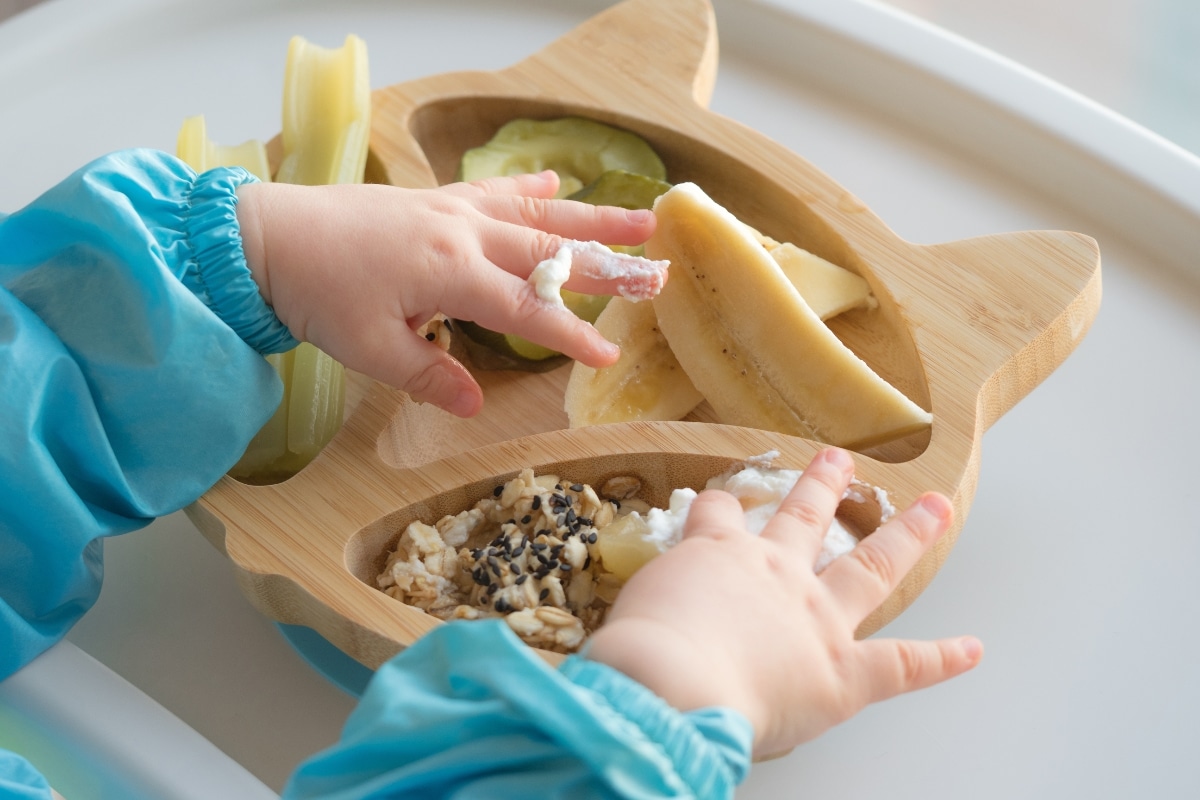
x,y
356,270
726,618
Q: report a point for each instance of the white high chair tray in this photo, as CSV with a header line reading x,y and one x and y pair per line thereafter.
x,y
1074,567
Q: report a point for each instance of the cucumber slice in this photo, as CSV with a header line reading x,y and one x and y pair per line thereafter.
x,y
579,150
508,351
623,189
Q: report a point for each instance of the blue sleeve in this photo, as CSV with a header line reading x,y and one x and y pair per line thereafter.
x,y
131,336
470,712
20,781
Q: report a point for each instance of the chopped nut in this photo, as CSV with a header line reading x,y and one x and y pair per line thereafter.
x,y
521,553
621,488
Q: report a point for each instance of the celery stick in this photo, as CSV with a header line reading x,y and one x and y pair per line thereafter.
x,y
198,152
326,124
315,405
269,445
326,113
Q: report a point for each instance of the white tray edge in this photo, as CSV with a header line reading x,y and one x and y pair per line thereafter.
x,y
1130,180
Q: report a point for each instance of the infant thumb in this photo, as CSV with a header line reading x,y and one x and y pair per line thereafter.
x,y
429,375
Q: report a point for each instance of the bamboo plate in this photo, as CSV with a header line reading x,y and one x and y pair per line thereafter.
x,y
966,329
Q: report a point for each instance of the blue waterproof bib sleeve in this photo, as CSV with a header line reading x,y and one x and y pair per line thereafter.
x,y
117,374
470,712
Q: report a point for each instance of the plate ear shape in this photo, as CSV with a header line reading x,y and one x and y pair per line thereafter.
x,y
623,46
996,315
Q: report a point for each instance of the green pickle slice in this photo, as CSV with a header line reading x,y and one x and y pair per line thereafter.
x,y
604,165
579,150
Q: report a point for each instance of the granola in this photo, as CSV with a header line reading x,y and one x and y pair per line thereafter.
x,y
527,554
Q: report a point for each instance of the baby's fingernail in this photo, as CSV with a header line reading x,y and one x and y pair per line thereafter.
x,y
462,404
639,216
936,506
972,649
838,458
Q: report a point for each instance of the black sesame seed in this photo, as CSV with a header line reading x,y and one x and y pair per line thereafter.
x,y
553,564
502,605
480,577
430,336
525,520
565,566
587,562
586,521
571,516
592,537
516,569
558,486
536,503
517,553
542,595
492,587
499,490
522,579
576,487
554,551
540,546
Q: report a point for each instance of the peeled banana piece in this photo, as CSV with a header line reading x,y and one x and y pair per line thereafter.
x,y
751,344
647,383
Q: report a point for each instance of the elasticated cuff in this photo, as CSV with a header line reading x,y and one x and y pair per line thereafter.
x,y
710,747
219,275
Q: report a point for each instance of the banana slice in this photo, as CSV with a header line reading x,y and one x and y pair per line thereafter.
x,y
751,344
828,289
647,383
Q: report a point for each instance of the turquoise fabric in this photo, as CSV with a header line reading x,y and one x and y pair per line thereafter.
x,y
20,781
117,375
470,712
131,379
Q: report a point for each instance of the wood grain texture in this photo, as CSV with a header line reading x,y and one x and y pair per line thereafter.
x,y
966,329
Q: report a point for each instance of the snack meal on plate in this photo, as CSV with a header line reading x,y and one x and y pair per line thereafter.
x,y
741,325
550,556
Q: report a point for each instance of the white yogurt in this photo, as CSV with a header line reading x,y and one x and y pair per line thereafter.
x,y
760,489
549,276
637,278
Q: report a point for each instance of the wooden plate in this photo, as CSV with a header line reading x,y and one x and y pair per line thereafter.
x,y
966,329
